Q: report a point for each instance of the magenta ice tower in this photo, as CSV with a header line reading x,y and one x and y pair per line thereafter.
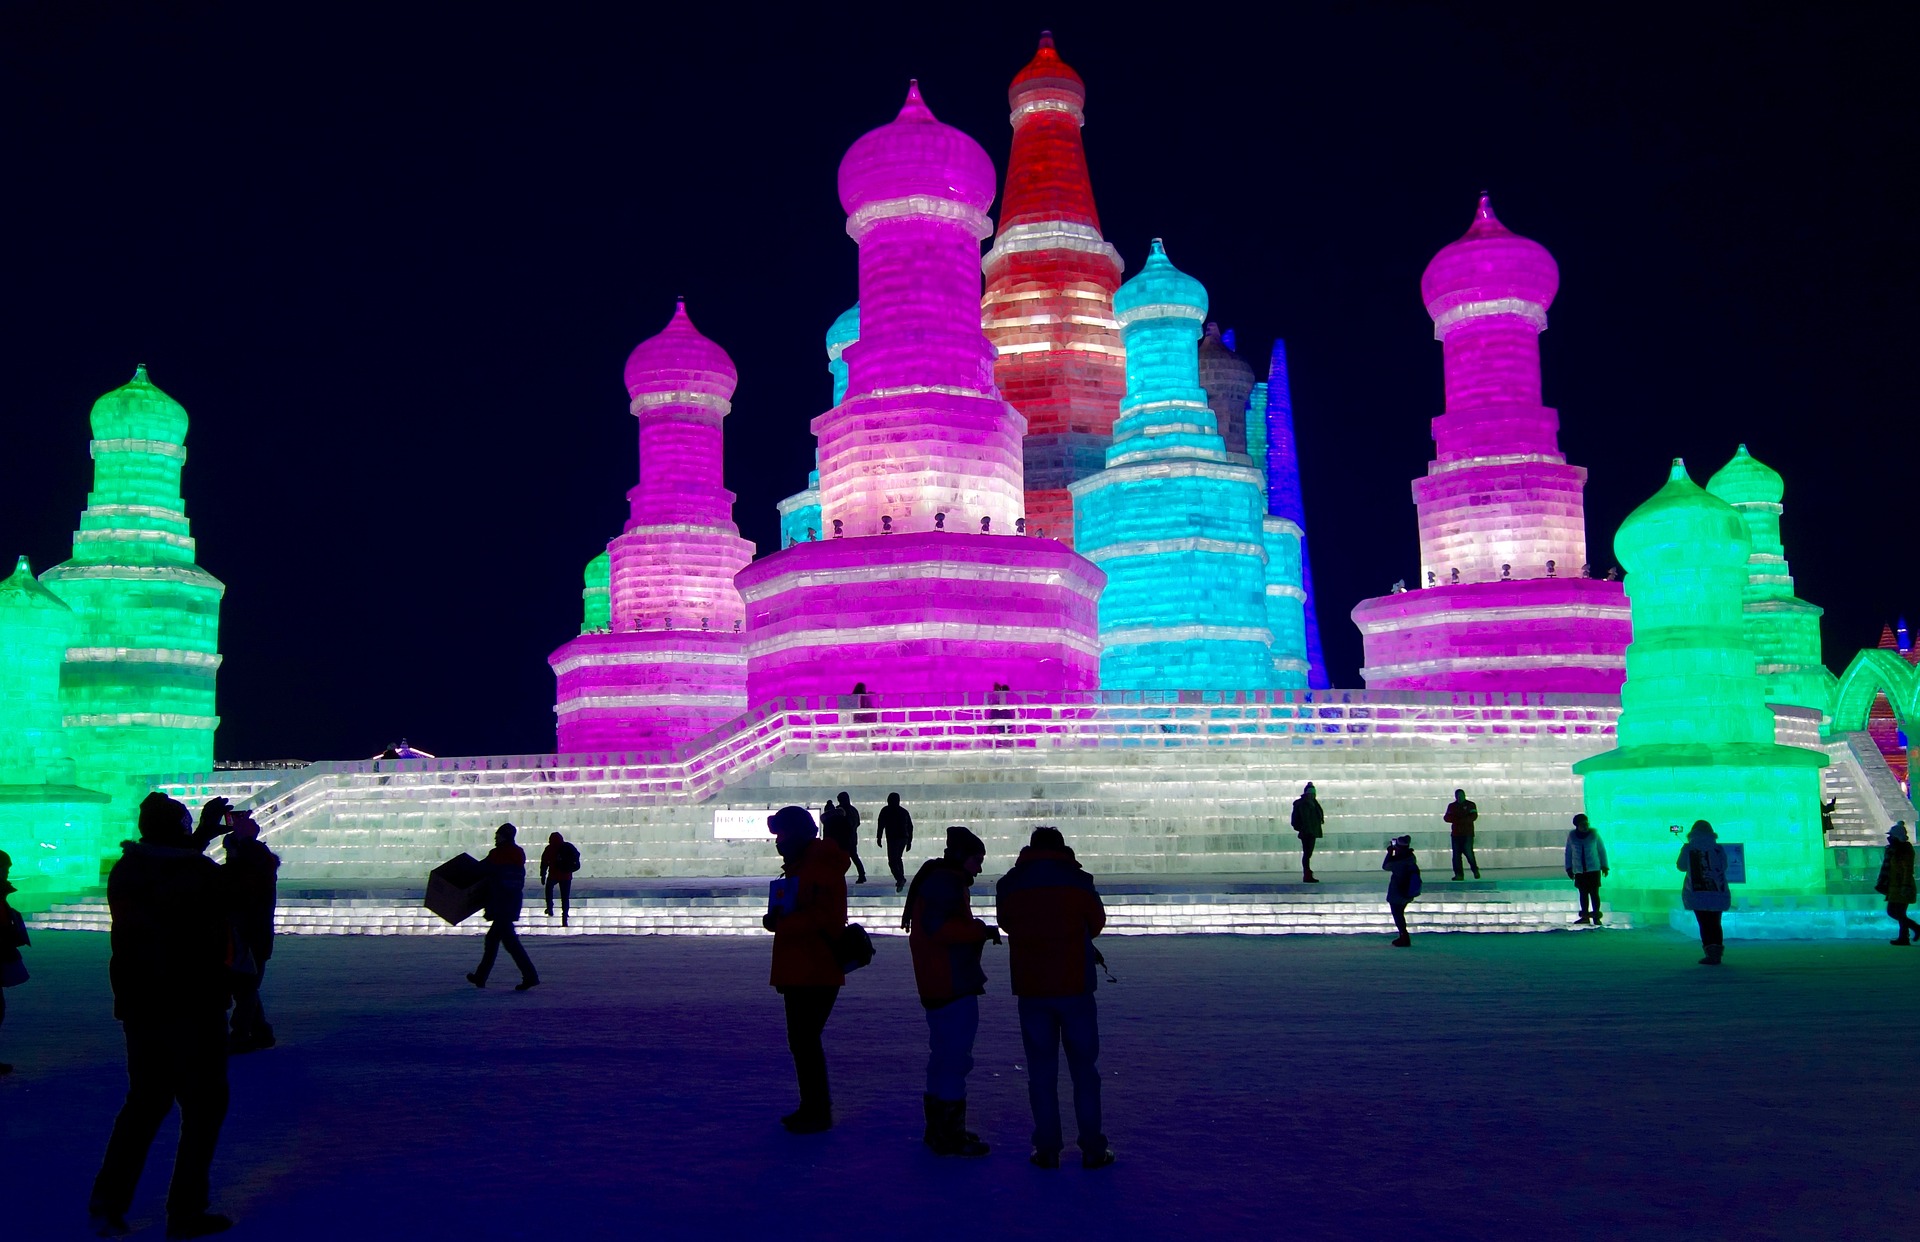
x,y
922,582
1504,601
671,664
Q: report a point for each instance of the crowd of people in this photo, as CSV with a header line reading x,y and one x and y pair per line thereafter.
x,y
191,939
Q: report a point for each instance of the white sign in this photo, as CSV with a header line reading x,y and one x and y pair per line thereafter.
x,y
735,824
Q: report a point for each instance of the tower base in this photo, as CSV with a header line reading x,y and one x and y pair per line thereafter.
x,y
646,691
1548,635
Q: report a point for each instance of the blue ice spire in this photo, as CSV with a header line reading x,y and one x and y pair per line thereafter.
x,y
800,512
1284,501
1174,520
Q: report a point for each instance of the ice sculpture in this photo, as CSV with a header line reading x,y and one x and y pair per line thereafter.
x,y
1280,458
670,667
1228,379
1048,308
920,583
55,831
596,604
1782,628
1695,735
1173,519
800,512
1503,601
137,686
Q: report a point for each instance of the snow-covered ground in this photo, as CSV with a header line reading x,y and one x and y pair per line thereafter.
x,y
1554,1086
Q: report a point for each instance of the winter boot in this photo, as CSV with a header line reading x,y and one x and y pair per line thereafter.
x,y
1713,955
805,1120
951,1137
1402,942
1595,919
931,1136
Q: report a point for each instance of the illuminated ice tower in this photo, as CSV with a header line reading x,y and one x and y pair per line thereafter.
x,y
1228,379
137,685
1696,736
1281,457
1174,519
1049,303
54,830
920,584
800,512
1782,628
670,667
1502,602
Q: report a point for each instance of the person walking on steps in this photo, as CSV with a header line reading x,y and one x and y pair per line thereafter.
x,y
1704,889
1309,820
946,941
1051,912
896,834
13,938
1895,883
506,885
252,872
1461,815
845,832
1586,859
1403,885
171,940
807,912
558,864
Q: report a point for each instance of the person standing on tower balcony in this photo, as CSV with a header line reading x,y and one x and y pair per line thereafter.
x,y
558,864
506,882
1586,859
947,941
1051,913
1896,881
896,834
253,873
1704,890
1461,816
807,913
1403,885
1309,820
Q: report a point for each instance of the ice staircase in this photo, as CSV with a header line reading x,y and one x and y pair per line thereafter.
x,y
1222,906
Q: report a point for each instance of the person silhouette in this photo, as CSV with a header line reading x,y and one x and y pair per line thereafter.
x,y
1896,881
506,867
252,872
558,864
1403,885
895,832
946,941
1461,816
1051,912
171,937
13,938
1586,862
807,912
1704,890
1309,821
840,824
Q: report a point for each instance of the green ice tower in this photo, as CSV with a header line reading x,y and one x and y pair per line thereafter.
x,y
596,598
137,685
1782,628
51,828
1696,736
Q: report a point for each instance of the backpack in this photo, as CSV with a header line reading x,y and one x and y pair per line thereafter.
x,y
573,856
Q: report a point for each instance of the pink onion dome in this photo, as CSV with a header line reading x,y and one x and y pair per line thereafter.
x,y
679,359
1046,76
915,154
1491,264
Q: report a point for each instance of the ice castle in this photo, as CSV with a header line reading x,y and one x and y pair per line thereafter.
x,y
1050,565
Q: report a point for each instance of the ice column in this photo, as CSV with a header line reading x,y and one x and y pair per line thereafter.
x,y
920,584
1501,602
1175,522
137,686
1048,308
1695,733
671,666
1280,458
1782,628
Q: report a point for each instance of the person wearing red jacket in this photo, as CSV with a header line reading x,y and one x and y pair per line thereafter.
x,y
807,913
946,941
1051,912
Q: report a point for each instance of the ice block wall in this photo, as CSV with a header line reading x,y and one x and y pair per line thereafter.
x,y
1048,308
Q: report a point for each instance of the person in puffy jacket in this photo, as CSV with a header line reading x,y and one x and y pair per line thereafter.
x,y
1462,816
1403,885
252,873
946,941
1896,881
1309,820
1051,912
171,946
506,865
558,863
1586,860
807,913
1704,890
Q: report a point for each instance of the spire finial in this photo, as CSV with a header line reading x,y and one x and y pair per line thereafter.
x,y
1679,471
22,567
916,105
1046,40
139,373
1159,248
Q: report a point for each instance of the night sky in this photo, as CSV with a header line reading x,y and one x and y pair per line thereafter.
x,y
392,265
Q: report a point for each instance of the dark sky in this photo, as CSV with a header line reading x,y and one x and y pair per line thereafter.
x,y
392,264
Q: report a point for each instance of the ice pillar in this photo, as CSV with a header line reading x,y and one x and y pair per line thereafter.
x,y
1281,461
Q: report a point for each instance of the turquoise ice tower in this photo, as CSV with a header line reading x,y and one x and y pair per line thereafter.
x,y
800,513
1696,739
1174,520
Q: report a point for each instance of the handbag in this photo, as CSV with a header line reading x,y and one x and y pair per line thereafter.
x,y
13,973
852,948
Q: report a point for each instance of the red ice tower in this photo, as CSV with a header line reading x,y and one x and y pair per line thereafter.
x,y
1048,308
672,664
